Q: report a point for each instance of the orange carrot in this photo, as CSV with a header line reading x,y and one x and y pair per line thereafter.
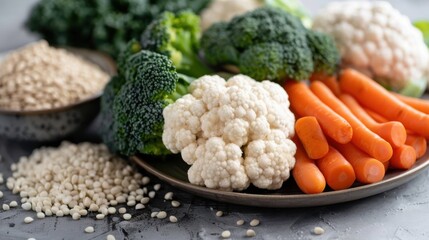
x,y
373,96
305,103
312,137
377,117
417,103
338,172
403,157
363,138
330,81
393,132
386,165
418,143
307,175
367,169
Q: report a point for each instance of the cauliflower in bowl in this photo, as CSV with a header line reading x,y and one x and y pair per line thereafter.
x,y
376,39
233,133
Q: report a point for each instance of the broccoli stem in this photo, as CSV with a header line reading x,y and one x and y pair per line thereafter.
x,y
181,87
194,66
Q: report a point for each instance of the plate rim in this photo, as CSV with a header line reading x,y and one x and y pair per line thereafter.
x,y
292,200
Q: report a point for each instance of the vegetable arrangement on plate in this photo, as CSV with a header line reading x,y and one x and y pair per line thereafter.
x,y
263,122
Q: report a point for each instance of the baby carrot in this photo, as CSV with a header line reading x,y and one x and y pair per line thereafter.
x,y
367,169
403,157
416,103
393,132
338,172
377,117
330,81
305,103
312,137
373,96
363,138
418,143
307,175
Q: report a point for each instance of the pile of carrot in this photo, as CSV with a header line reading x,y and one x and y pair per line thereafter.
x,y
351,129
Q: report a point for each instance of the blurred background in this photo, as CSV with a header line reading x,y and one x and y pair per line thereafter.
x,y
13,14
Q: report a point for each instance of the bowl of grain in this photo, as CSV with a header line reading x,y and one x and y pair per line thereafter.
x,y
49,93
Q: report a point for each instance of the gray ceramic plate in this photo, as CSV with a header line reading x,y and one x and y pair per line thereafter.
x,y
173,171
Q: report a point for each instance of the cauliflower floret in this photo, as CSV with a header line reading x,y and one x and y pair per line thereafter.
x,y
268,161
218,120
377,40
220,166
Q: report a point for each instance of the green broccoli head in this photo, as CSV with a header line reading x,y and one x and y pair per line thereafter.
x,y
105,25
106,113
133,102
218,45
326,57
177,36
267,44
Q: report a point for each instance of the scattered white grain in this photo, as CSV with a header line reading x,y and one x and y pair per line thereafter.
x,y
89,229
26,206
13,204
250,233
122,210
127,216
59,213
28,219
76,216
1,194
1,179
168,196
240,222
139,206
111,210
40,215
254,222
76,178
173,219
153,214
156,187
226,234
318,231
219,214
5,207
139,191
151,194
99,216
145,200
175,203
145,180
110,237
48,212
31,239
161,215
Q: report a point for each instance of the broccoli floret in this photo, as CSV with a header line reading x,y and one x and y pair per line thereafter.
x,y
177,36
326,57
269,44
150,83
107,128
218,46
105,25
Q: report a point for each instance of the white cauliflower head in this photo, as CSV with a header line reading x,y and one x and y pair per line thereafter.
x,y
219,120
377,40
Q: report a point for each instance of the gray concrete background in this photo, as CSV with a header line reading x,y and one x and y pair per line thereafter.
x,y
402,213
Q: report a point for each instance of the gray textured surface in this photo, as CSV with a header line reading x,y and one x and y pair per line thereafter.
x,y
402,213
